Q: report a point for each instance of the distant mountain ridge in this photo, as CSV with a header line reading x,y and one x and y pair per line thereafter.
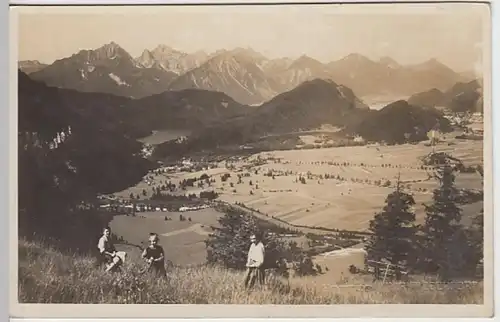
x,y
401,122
171,60
182,110
108,69
236,73
461,97
242,73
216,120
31,66
308,106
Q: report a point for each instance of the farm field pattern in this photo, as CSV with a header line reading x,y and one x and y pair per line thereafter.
x,y
332,203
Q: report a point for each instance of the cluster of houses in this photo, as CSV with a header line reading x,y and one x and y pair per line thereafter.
x,y
147,150
359,139
140,207
460,118
477,117
121,206
59,138
186,165
194,208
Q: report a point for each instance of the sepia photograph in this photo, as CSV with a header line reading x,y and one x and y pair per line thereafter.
x,y
320,155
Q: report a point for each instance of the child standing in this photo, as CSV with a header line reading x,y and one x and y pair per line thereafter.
x,y
255,261
155,256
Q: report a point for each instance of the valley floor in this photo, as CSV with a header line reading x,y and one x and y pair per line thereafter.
x,y
349,203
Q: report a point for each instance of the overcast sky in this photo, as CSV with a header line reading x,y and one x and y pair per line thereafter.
x,y
451,33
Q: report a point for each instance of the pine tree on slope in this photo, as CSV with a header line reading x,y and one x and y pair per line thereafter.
x,y
393,232
445,245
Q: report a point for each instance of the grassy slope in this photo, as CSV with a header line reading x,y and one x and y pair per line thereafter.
x,y
47,276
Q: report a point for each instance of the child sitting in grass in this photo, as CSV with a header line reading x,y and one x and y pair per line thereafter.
x,y
155,255
109,255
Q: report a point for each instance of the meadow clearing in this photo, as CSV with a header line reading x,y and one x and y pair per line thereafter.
x,y
49,276
183,241
348,203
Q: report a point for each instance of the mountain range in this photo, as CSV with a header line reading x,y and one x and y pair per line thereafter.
x,y
108,69
242,73
31,66
307,106
168,59
185,110
216,120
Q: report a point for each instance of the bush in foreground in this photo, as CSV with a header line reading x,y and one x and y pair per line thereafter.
x,y
48,276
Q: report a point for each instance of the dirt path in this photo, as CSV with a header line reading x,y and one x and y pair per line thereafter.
x,y
196,228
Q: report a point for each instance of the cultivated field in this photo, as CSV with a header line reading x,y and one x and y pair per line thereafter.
x,y
183,241
348,203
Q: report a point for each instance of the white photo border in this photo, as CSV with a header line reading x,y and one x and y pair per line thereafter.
x,y
9,80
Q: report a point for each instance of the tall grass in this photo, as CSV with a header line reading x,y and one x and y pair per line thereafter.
x,y
48,276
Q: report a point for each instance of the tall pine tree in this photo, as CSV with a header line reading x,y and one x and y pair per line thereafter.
x,y
477,239
444,244
228,244
393,232
476,234
478,226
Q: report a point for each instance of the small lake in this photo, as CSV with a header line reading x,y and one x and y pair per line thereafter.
x,y
379,102
164,135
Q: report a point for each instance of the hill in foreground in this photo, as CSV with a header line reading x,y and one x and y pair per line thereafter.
x,y
48,276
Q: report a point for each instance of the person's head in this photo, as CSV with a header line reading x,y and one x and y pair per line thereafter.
x,y
106,231
254,238
153,239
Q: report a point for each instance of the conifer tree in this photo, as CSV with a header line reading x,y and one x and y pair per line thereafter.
x,y
445,245
229,243
393,231
478,226
477,238
477,231
475,245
